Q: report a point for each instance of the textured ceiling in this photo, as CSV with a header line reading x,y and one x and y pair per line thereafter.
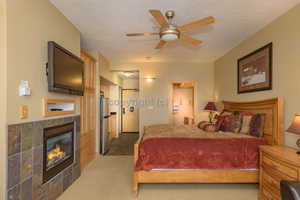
x,y
104,23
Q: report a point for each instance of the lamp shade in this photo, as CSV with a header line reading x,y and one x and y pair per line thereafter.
x,y
295,126
211,106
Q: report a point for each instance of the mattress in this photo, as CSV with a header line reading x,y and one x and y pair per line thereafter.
x,y
167,147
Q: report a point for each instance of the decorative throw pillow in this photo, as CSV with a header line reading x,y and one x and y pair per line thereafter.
x,y
223,120
232,123
202,124
246,121
235,122
257,125
206,126
210,128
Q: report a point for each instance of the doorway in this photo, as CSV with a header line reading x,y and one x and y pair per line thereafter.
x,y
183,104
129,115
130,111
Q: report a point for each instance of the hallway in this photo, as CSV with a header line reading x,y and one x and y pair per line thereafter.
x,y
124,145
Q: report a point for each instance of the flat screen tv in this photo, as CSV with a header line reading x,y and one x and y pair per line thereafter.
x,y
65,71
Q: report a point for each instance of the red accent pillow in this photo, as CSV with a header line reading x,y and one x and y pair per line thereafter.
x,y
232,122
219,122
225,123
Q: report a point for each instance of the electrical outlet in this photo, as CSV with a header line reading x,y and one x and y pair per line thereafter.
x,y
23,112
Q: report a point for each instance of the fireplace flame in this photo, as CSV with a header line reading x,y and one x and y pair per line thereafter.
x,y
56,153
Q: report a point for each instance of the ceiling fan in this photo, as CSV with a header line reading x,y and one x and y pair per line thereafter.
x,y
169,31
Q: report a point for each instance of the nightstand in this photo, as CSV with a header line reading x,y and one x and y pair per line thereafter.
x,y
277,163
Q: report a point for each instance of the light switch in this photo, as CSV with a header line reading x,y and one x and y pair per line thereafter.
x,y
23,112
24,89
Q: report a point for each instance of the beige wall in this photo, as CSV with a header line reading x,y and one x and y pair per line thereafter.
x,y
131,84
105,71
3,99
284,33
31,24
161,87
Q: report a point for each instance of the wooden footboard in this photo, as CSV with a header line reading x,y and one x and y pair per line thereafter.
x,y
191,176
136,173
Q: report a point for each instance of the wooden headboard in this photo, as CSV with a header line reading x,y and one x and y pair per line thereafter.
x,y
273,108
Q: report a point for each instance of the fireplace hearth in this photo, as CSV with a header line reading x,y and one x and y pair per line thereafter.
x,y
27,171
58,150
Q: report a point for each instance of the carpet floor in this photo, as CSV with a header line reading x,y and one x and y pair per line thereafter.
x,y
123,145
110,178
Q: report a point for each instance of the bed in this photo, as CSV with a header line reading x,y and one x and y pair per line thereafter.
x,y
273,135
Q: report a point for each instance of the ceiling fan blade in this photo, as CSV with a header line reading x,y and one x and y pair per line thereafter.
x,y
189,39
159,18
160,44
202,22
141,34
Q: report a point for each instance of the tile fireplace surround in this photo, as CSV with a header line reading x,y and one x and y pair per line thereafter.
x,y
25,162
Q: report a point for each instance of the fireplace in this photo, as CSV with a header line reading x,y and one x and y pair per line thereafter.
x,y
58,149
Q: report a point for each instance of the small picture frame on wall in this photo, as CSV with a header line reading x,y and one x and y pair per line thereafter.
x,y
255,70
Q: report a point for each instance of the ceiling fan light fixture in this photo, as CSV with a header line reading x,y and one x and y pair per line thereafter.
x,y
170,33
169,37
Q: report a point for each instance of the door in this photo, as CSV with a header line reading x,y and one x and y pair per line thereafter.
x,y
130,111
88,112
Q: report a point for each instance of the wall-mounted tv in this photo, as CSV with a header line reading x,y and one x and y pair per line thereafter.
x,y
65,71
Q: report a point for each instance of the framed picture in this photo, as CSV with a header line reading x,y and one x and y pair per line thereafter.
x,y
255,70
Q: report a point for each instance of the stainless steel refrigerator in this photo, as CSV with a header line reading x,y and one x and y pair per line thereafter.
x,y
104,125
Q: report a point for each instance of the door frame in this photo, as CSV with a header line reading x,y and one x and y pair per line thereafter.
x,y
195,86
88,113
122,110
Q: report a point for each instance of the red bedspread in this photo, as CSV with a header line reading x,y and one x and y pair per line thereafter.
x,y
199,153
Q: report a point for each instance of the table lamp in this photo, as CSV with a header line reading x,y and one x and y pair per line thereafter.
x,y
211,107
295,128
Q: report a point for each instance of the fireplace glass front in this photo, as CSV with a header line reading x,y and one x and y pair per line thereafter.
x,y
58,149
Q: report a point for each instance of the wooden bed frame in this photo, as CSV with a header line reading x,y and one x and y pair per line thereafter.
x,y
273,133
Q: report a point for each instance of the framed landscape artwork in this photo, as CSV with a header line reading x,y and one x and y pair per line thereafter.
x,y
255,70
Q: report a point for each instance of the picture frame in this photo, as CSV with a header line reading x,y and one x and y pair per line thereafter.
x,y
255,70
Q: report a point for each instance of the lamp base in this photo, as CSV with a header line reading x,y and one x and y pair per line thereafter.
x,y
211,115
